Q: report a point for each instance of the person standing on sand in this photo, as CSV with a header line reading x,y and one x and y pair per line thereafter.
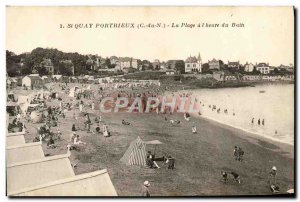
x,y
194,129
80,107
146,192
258,122
273,173
252,120
263,122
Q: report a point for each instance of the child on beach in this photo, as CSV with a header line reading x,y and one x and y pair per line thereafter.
x,y
224,176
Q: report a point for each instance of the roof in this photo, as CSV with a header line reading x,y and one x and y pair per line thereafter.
x,y
262,65
113,58
191,60
24,152
38,172
34,77
13,140
233,63
213,60
96,183
125,59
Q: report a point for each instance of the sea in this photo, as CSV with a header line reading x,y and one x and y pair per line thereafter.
x,y
272,104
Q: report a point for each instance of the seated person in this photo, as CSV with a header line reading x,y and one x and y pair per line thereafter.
x,y
50,143
125,122
224,176
73,127
236,177
274,188
150,161
170,162
78,141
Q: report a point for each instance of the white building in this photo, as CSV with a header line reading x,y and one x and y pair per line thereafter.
x,y
249,67
193,64
126,63
263,68
32,79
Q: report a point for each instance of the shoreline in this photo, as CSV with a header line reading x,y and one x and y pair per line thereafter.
x,y
252,136
247,131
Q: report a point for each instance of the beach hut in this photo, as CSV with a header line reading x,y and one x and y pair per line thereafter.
x,y
135,154
13,139
24,152
97,183
38,172
33,80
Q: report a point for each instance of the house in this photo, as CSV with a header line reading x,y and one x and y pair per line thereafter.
x,y
214,64
263,68
193,64
249,67
234,65
32,80
47,63
134,63
126,63
91,64
286,67
156,64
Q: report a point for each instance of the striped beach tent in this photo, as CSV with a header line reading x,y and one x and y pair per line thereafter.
x,y
135,154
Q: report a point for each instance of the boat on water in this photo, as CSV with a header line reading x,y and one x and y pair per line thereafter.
x,y
262,91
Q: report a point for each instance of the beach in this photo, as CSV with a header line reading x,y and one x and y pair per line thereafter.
x,y
199,158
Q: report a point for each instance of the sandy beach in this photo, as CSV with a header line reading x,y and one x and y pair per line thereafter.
x,y
199,158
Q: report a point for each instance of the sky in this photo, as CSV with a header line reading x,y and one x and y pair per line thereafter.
x,y
267,34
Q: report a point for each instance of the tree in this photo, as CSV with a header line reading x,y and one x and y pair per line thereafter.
x,y
147,65
65,68
12,63
255,71
205,68
25,70
42,70
180,66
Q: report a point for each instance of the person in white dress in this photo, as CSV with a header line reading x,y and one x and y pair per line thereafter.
x,y
105,131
